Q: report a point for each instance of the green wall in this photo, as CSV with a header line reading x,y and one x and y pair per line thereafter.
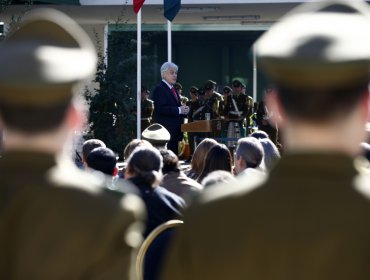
x,y
201,55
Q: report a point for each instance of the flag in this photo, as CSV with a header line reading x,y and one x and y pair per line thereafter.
x,y
171,8
137,5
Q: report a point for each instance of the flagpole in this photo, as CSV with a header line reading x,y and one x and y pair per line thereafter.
x,y
254,74
138,78
169,41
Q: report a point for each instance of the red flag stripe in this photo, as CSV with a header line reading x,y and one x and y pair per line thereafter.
x,y
137,5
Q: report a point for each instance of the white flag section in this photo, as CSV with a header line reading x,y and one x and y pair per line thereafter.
x,y
138,78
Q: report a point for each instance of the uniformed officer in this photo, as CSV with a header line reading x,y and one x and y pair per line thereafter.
x,y
309,219
237,108
57,222
195,113
250,118
194,105
212,100
178,88
226,91
147,108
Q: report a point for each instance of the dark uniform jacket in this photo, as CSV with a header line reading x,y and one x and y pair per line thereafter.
x,y
147,107
242,103
195,110
58,222
161,204
309,220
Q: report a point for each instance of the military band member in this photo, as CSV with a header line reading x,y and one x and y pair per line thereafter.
x,y
236,111
226,92
183,98
252,107
194,105
211,101
195,109
147,108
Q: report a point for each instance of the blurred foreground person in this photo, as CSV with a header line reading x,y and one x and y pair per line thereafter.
x,y
309,220
56,221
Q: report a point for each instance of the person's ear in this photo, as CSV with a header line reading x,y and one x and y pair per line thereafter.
x,y
75,118
128,173
273,104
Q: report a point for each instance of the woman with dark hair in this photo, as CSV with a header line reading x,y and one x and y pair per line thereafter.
x,y
218,158
144,171
200,153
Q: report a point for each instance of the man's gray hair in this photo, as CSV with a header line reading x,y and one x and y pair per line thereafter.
x,y
250,150
167,66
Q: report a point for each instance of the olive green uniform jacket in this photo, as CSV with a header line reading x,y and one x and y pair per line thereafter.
x,y
309,220
58,222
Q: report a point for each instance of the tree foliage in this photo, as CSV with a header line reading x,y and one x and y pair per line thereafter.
x,y
113,102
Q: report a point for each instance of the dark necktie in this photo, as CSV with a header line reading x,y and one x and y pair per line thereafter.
x,y
174,93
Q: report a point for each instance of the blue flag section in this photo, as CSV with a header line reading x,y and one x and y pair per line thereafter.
x,y
171,8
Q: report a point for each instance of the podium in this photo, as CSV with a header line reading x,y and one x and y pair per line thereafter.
x,y
203,126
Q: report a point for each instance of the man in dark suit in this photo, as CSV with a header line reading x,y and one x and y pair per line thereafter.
x,y
56,221
168,110
309,220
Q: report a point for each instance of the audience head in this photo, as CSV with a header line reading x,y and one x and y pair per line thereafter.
x,y
90,145
102,159
131,146
199,155
218,158
145,165
157,135
170,161
37,88
248,154
217,177
271,153
259,134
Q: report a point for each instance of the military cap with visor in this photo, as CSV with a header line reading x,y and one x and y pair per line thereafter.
x,y
209,85
227,89
44,59
237,83
328,46
194,90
